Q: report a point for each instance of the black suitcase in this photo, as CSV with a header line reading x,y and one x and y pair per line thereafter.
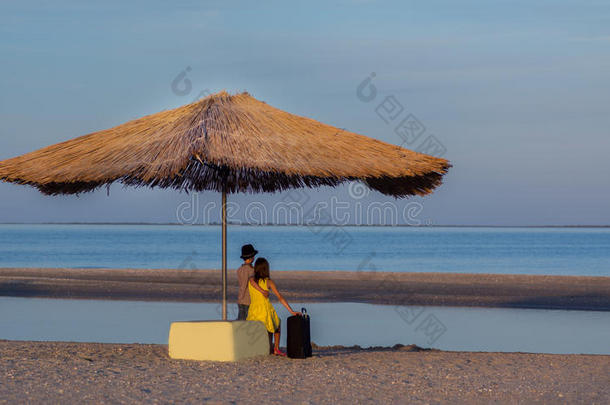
x,y
299,337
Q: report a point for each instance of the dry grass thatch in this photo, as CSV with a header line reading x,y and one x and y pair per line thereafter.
x,y
232,141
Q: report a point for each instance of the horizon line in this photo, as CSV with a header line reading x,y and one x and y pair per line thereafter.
x,y
330,225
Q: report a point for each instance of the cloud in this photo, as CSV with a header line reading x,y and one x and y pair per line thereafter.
x,y
601,38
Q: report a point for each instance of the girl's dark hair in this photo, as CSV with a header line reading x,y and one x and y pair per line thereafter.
x,y
261,269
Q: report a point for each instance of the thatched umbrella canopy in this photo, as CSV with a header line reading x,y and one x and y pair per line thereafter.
x,y
223,140
227,143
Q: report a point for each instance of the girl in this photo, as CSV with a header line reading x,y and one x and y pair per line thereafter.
x,y
260,307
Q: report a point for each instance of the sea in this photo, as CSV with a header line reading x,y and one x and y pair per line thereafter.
x,y
559,251
550,251
347,324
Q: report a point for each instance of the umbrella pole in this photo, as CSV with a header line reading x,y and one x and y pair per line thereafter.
x,y
224,253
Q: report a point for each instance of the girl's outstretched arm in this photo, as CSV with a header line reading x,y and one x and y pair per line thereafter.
x,y
273,287
258,287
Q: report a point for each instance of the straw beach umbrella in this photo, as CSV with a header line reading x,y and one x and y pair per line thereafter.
x,y
225,143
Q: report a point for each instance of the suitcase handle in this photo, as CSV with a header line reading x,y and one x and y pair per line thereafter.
x,y
304,312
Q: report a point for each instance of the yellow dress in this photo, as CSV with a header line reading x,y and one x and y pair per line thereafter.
x,y
261,308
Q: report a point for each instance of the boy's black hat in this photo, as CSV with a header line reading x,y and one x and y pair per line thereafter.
x,y
248,251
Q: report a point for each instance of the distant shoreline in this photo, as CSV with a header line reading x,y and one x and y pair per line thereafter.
x,y
589,293
303,225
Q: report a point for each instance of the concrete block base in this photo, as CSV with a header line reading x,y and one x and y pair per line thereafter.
x,y
218,340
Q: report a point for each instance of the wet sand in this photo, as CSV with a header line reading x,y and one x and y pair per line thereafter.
x,y
443,289
61,372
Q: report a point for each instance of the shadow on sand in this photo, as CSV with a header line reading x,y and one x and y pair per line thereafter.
x,y
330,351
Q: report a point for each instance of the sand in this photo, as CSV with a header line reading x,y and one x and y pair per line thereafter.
x,y
60,372
444,289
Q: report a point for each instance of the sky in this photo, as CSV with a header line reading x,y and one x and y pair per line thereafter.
x,y
516,93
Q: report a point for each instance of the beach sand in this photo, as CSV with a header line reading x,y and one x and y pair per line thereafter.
x,y
61,372
444,289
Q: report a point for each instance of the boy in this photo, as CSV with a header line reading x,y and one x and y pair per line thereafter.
x,y
243,275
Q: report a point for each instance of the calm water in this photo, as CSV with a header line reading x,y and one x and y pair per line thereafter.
x,y
468,329
567,251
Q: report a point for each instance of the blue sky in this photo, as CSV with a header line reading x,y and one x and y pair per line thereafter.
x,y
518,92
